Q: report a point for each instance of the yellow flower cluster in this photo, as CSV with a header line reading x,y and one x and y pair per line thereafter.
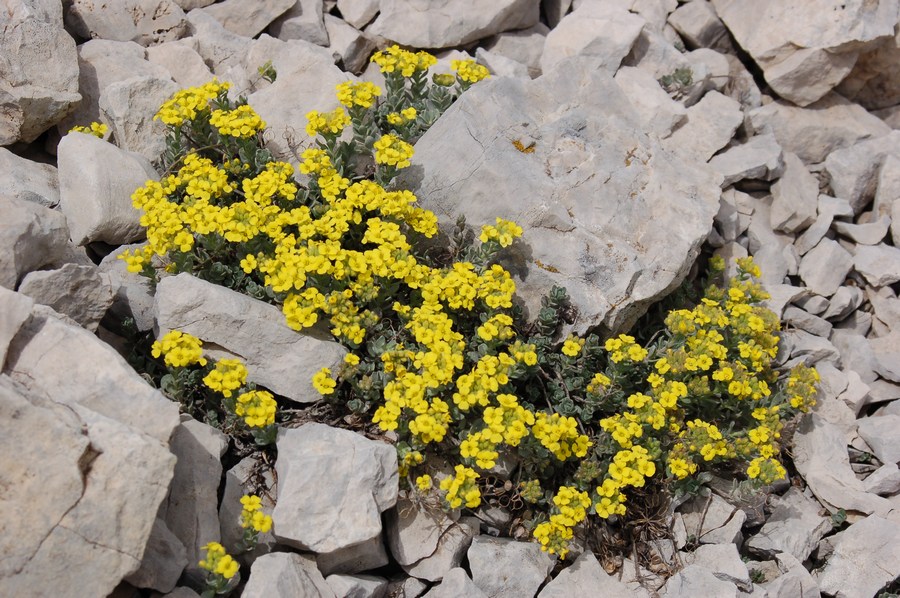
x,y
327,124
424,483
396,59
571,507
404,116
469,71
481,447
572,346
188,103
497,327
461,488
257,407
323,382
219,562
363,94
559,434
503,232
393,151
510,421
801,386
252,516
95,128
179,348
227,376
242,122
623,347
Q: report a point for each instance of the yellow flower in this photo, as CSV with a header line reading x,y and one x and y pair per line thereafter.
x,y
423,482
180,349
469,71
227,376
393,151
323,382
362,94
572,346
95,128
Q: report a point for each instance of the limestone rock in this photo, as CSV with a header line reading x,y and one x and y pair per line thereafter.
x,y
506,568
449,551
887,356
723,561
15,312
828,208
191,507
413,533
803,49
699,25
825,267
286,575
590,210
80,292
221,49
357,586
27,180
853,171
794,580
350,47
696,580
133,298
795,527
870,233
146,22
163,562
500,66
38,72
656,108
277,357
316,465
866,557
879,264
710,125
856,352
712,520
96,180
72,365
822,127
455,584
880,433
452,23
31,236
872,83
182,61
585,577
604,37
524,46
247,19
884,481
759,158
304,20
795,197
129,107
366,556
358,13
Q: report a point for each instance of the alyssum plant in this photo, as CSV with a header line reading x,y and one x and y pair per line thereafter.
x,y
439,355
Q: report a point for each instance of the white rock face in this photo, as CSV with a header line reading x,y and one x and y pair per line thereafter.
x,y
80,292
28,181
866,557
129,107
699,25
31,236
182,61
795,197
450,23
38,70
163,562
221,49
304,20
795,527
760,158
87,505
656,108
585,577
286,575
506,568
358,12
316,465
247,18
873,82
96,180
594,32
525,46
349,46
590,209
806,49
146,22
455,584
710,125
281,359
854,171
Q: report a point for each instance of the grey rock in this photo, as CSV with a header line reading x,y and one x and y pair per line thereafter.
x,y
350,46
315,466
859,322
881,391
880,433
565,194
802,51
820,455
449,552
80,292
870,233
814,304
731,222
741,85
887,189
815,131
16,310
758,158
354,559
146,22
585,577
825,267
710,125
657,55
794,527
501,66
853,171
221,49
27,180
357,586
712,520
454,23
856,353
871,82
358,13
806,321
887,356
656,108
555,10
96,180
884,481
187,5
191,507
163,562
794,580
723,561
277,357
699,25
414,532
856,395
72,366
286,575
600,35
94,513
695,580
408,587
506,568
247,19
782,294
810,348
865,558
133,298
455,584
795,197
182,61
304,20
879,264
886,306
718,68
31,236
844,302
39,71
828,208
129,107
525,46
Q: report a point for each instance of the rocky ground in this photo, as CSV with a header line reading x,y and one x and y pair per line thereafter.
x,y
649,128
